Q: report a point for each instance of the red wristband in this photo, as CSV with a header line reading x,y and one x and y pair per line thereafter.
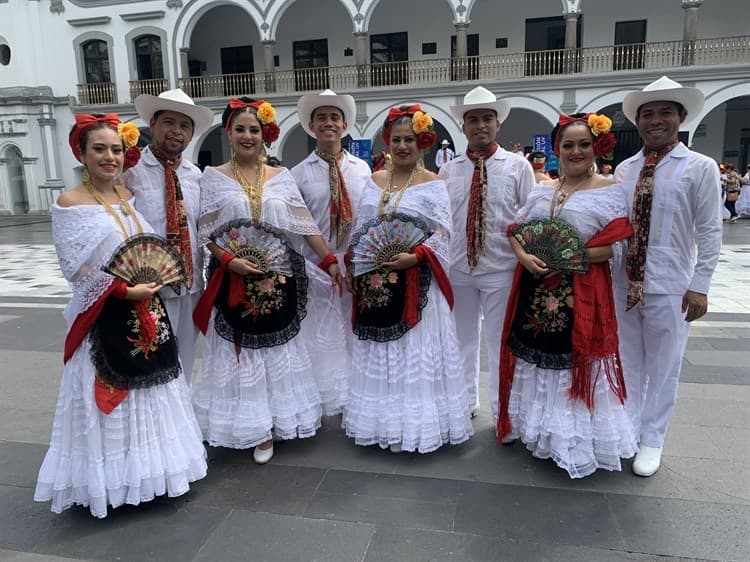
x,y
120,290
327,262
226,257
511,231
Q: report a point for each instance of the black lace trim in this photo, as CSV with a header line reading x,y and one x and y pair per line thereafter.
x,y
222,324
543,360
397,330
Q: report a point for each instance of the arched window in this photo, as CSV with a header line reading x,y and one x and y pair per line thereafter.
x,y
96,61
148,57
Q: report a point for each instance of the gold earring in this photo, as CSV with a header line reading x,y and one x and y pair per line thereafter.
x,y
86,177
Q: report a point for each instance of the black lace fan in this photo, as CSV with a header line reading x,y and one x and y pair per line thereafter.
x,y
147,258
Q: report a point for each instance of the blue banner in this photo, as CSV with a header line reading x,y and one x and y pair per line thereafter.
x,y
543,143
361,148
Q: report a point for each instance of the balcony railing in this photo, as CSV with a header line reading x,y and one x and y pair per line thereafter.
x,y
101,93
153,86
486,68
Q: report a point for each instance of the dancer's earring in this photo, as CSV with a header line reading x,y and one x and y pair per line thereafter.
x,y
420,163
389,163
86,177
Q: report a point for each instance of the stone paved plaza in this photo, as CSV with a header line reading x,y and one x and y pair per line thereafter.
x,y
325,499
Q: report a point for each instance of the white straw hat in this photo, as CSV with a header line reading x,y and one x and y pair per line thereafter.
x,y
178,101
310,102
481,98
663,89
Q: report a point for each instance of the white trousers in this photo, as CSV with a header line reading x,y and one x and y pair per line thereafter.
x,y
180,310
476,297
653,338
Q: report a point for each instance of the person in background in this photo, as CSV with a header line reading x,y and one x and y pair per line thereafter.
x,y
444,154
538,160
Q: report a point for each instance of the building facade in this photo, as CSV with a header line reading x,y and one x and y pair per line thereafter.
x,y
62,57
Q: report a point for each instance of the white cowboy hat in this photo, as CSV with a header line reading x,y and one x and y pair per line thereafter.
x,y
663,89
481,98
178,101
445,141
310,102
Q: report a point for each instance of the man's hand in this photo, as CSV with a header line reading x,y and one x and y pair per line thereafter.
x,y
694,305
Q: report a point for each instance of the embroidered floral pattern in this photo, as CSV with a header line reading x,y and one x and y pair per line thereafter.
x,y
374,290
551,306
264,295
142,345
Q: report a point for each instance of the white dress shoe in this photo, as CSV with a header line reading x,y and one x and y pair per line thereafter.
x,y
396,448
262,456
647,461
474,410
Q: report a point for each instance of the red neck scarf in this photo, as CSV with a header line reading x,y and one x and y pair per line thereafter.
x,y
477,213
341,206
594,331
178,233
638,246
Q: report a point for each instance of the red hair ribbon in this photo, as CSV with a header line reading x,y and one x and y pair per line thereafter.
x,y
394,114
85,121
237,103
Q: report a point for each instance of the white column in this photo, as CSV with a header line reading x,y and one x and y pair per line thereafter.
x,y
4,188
361,57
690,30
268,56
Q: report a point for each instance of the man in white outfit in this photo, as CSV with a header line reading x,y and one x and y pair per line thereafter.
x,y
331,182
675,199
444,154
168,195
487,185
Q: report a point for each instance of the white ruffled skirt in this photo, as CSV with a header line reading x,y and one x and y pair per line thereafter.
x,y
240,400
327,333
412,390
150,445
553,426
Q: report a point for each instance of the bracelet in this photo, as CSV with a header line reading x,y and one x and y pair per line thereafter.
x,y
226,257
327,262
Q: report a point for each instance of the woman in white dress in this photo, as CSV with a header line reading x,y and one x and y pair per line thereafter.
x,y
124,430
256,383
406,390
561,384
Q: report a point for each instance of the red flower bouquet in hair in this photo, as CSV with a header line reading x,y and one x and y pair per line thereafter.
x,y
132,156
604,144
271,133
426,140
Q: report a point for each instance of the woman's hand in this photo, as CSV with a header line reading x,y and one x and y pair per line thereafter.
x,y
335,273
533,264
243,267
401,261
349,278
142,291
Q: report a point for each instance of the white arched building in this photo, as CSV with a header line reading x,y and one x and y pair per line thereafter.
x,y
60,57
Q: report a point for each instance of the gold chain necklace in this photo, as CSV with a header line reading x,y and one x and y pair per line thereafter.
x,y
559,197
388,191
125,208
254,191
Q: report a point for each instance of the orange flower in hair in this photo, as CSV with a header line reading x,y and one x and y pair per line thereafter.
x,y
129,134
599,124
421,122
266,113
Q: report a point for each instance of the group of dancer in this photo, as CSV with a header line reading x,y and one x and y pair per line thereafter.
x,y
329,289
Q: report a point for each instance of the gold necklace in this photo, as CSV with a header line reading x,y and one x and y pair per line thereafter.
x,y
125,208
559,197
254,191
389,190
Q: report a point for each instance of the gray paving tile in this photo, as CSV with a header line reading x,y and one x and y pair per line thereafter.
x,y
551,516
268,537
381,511
35,330
717,358
715,374
15,556
418,545
681,528
246,485
127,533
429,490
20,462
